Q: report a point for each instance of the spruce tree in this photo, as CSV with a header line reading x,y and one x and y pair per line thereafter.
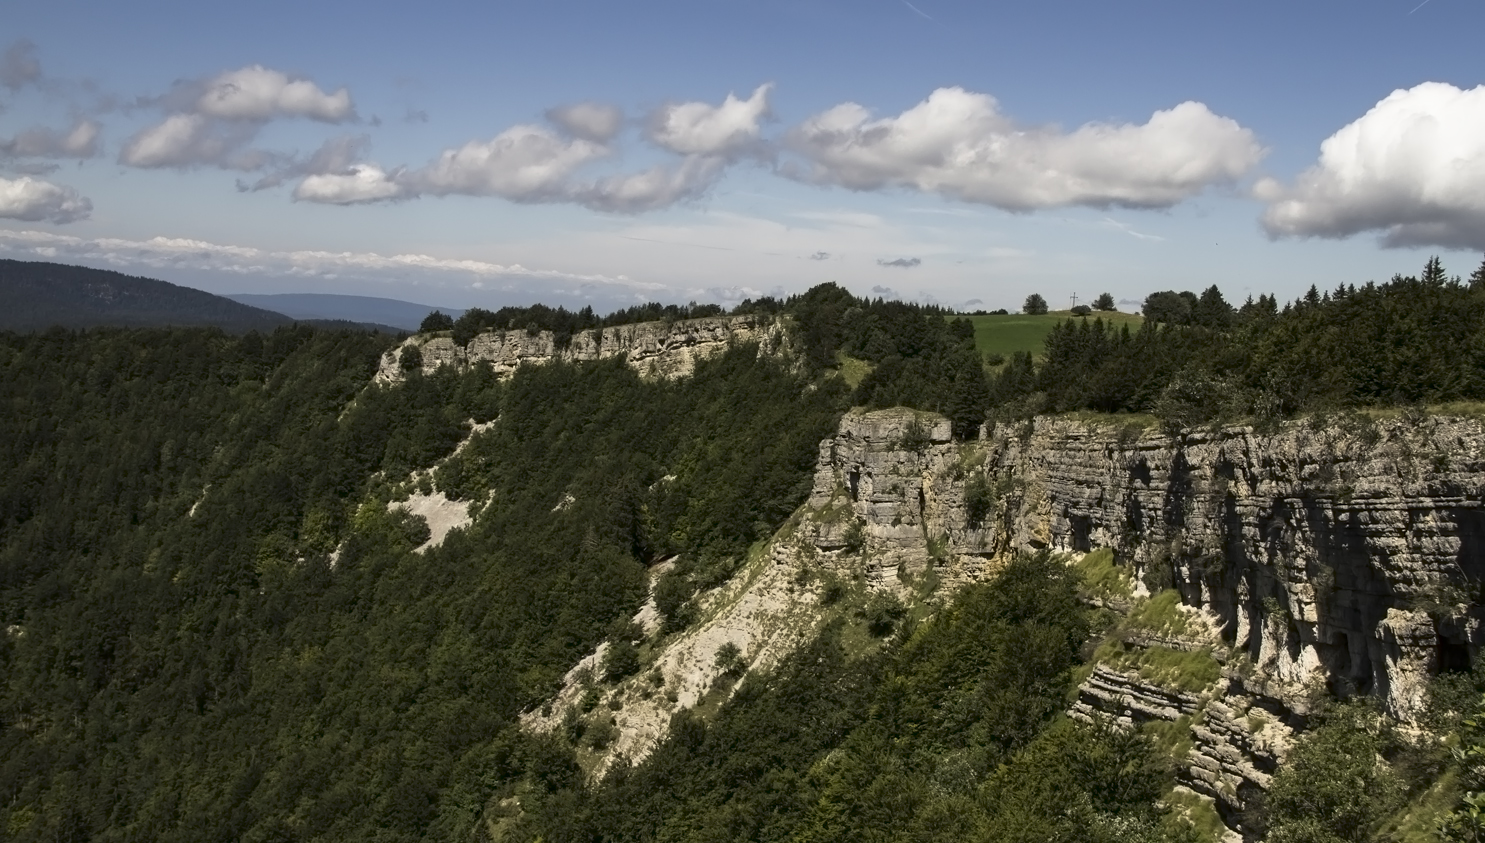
x,y
1433,272
1212,310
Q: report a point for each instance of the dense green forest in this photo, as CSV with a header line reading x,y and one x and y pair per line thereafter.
x,y
215,628
949,733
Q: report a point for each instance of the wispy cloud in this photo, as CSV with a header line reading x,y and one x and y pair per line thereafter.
x,y
922,13
19,66
901,263
182,253
1129,229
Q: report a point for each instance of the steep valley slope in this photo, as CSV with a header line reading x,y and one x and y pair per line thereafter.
x,y
1258,571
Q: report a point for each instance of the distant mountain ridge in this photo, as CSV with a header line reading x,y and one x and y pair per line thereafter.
x,y
404,315
36,295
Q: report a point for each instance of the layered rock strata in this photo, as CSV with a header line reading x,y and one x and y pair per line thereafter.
x,y
1343,552
1339,554
659,349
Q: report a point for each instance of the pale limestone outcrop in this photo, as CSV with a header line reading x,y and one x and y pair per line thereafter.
x,y
658,349
888,500
765,612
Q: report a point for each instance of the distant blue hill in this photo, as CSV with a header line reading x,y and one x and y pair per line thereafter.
x,y
366,309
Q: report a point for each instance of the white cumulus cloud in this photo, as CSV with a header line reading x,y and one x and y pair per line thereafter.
x,y
523,164
959,144
592,121
698,128
1412,169
212,122
657,187
359,184
186,140
259,93
34,200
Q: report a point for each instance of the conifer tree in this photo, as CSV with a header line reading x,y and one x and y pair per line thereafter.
x,y
1035,305
1212,310
969,399
1433,272
1104,302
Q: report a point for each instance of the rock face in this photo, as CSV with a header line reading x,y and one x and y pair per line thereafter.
x,y
888,500
1341,553
661,349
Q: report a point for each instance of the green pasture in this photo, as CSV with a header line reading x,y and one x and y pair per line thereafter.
x,y
1008,334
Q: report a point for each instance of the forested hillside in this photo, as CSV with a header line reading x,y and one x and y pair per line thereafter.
x,y
217,630
218,624
36,295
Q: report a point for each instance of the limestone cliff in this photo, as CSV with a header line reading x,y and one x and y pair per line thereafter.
x,y
662,349
1341,552
1259,569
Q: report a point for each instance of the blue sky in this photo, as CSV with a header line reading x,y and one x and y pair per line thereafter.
x,y
603,153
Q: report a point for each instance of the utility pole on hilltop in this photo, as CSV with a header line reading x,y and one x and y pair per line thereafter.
x,y
1074,299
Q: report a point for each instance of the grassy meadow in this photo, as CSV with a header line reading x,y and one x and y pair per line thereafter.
x,y
1016,332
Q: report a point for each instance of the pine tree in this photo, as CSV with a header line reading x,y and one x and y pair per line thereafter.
x,y
1104,302
1477,278
1433,272
969,399
1035,305
1212,310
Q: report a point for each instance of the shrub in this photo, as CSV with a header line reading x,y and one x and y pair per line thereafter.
x,y
590,699
671,593
915,437
602,733
621,660
1335,785
729,660
855,537
882,613
411,359
436,321
979,499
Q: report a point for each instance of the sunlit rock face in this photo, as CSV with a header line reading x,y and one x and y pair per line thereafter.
x,y
1339,553
658,349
